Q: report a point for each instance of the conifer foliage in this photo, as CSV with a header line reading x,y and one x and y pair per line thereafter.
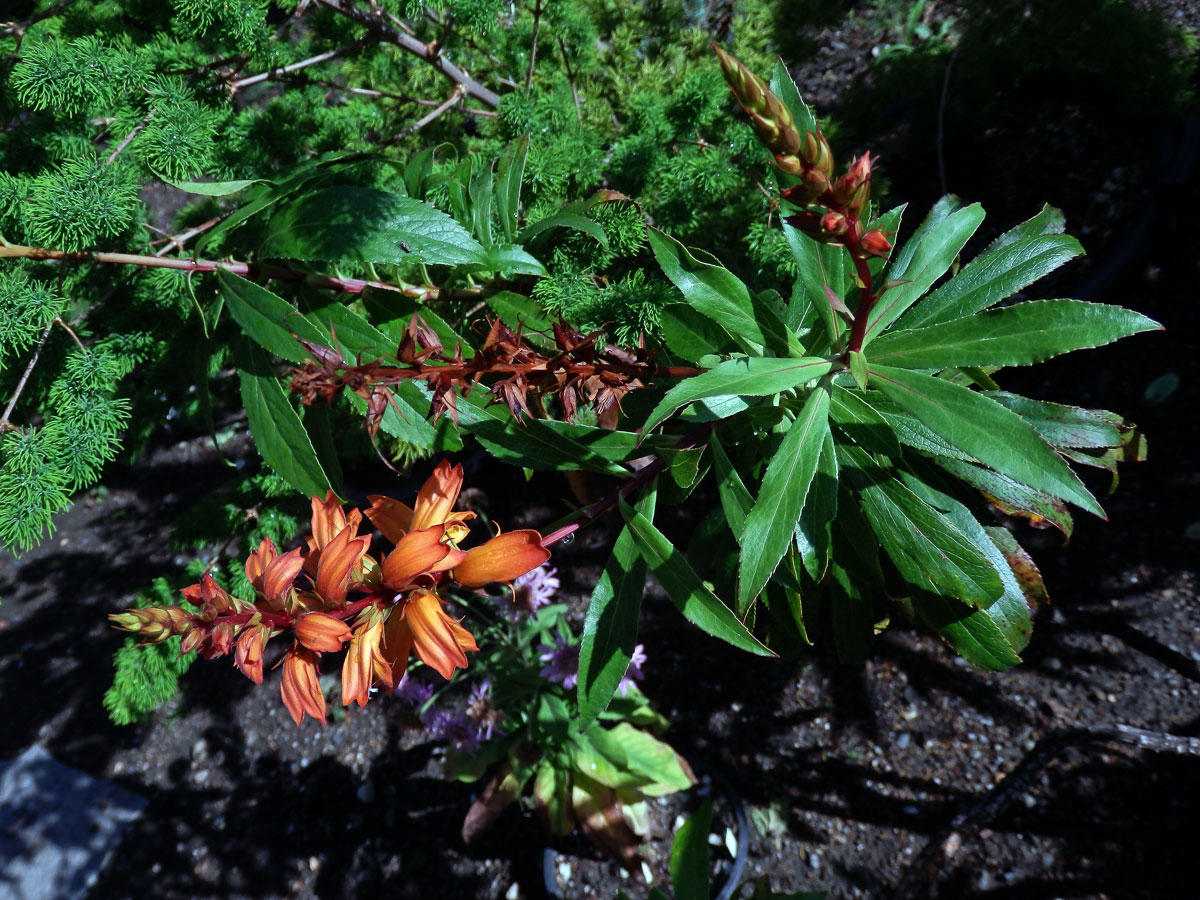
x,y
109,107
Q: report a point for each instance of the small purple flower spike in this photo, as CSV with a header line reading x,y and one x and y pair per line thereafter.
x,y
632,674
562,662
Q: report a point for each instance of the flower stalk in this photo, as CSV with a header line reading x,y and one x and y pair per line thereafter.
x,y
830,211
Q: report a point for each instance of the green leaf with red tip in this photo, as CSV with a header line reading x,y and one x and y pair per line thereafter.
x,y
981,427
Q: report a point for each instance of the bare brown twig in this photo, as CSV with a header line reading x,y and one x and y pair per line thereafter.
x,y
455,96
236,86
386,32
5,424
137,129
19,28
537,20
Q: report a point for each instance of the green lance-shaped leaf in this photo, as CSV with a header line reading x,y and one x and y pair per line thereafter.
x,y
745,377
508,260
690,335
772,522
927,549
934,249
851,615
862,423
813,529
1065,426
509,172
530,443
736,500
992,277
393,312
278,432
1011,497
611,627
268,318
355,224
1019,335
689,856
981,427
356,337
518,312
973,635
783,87
719,294
655,765
1010,612
552,797
615,446
818,266
699,605
570,216
213,188
1048,220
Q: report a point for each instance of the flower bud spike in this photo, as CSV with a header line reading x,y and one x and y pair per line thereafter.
x,y
769,115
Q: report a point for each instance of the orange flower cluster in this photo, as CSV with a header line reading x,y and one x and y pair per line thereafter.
x,y
333,593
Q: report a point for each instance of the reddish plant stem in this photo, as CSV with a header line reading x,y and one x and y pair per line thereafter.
x,y
866,299
455,371
591,513
348,285
283,621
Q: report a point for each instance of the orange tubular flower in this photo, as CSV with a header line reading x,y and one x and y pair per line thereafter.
x,y
503,558
439,640
249,653
322,632
328,521
433,507
339,558
271,574
300,688
419,553
364,661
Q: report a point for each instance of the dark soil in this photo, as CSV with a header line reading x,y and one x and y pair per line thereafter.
x,y
848,770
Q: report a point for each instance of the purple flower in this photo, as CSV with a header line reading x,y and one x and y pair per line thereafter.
x,y
531,591
414,692
634,672
457,728
562,661
481,711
